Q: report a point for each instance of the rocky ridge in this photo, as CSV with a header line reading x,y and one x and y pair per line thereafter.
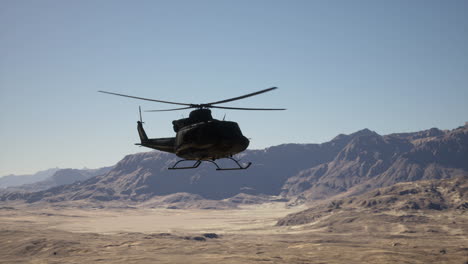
x,y
433,195
345,166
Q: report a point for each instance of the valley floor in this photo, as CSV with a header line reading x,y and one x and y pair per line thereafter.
x,y
44,234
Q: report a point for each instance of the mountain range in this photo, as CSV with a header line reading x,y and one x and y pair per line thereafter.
x,y
370,161
347,165
47,179
16,180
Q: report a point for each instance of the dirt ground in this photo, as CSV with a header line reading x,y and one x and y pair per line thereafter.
x,y
45,234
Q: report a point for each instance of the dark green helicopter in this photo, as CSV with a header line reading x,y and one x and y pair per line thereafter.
x,y
200,137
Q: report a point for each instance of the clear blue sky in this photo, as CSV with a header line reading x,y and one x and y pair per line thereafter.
x,y
341,66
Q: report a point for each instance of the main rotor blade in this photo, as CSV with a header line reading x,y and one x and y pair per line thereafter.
x,y
147,99
243,96
243,108
174,109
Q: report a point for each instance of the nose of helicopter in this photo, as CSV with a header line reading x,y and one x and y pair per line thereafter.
x,y
241,144
246,143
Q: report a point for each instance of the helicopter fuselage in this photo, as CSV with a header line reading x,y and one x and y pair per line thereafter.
x,y
207,140
210,140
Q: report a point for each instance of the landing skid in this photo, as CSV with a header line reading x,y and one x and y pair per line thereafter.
x,y
198,162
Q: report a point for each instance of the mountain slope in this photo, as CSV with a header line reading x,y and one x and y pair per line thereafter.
x,y
144,175
370,161
448,194
347,165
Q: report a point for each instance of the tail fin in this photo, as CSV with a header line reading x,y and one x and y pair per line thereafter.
x,y
141,132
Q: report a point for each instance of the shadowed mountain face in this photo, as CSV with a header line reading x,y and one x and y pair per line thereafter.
x,y
144,175
347,165
370,161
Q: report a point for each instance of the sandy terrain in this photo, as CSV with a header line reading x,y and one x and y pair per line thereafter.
x,y
39,234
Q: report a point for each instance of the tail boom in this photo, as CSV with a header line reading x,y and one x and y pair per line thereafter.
x,y
162,144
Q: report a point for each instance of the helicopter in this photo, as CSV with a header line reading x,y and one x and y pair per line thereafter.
x,y
200,137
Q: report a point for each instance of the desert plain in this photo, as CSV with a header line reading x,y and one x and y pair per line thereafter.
x,y
78,233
